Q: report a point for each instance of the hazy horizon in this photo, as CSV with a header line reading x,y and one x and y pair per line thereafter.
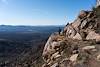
x,y
41,12
29,25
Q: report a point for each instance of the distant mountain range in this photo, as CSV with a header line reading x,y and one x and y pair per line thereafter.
x,y
10,28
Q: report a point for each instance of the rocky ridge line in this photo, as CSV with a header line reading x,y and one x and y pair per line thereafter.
x,y
78,45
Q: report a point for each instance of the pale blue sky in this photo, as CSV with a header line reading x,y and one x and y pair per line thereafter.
x,y
41,12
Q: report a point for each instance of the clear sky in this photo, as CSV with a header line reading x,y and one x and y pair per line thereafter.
x,y
41,12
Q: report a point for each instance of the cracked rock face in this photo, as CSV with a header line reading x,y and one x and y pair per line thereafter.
x,y
84,27
78,45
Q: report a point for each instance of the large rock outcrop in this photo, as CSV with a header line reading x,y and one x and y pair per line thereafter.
x,y
78,45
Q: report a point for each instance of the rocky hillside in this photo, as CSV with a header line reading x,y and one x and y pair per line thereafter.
x,y
78,45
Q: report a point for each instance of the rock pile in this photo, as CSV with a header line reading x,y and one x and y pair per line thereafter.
x,y
84,27
78,45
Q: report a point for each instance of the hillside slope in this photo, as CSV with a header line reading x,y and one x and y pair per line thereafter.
x,y
22,48
78,45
